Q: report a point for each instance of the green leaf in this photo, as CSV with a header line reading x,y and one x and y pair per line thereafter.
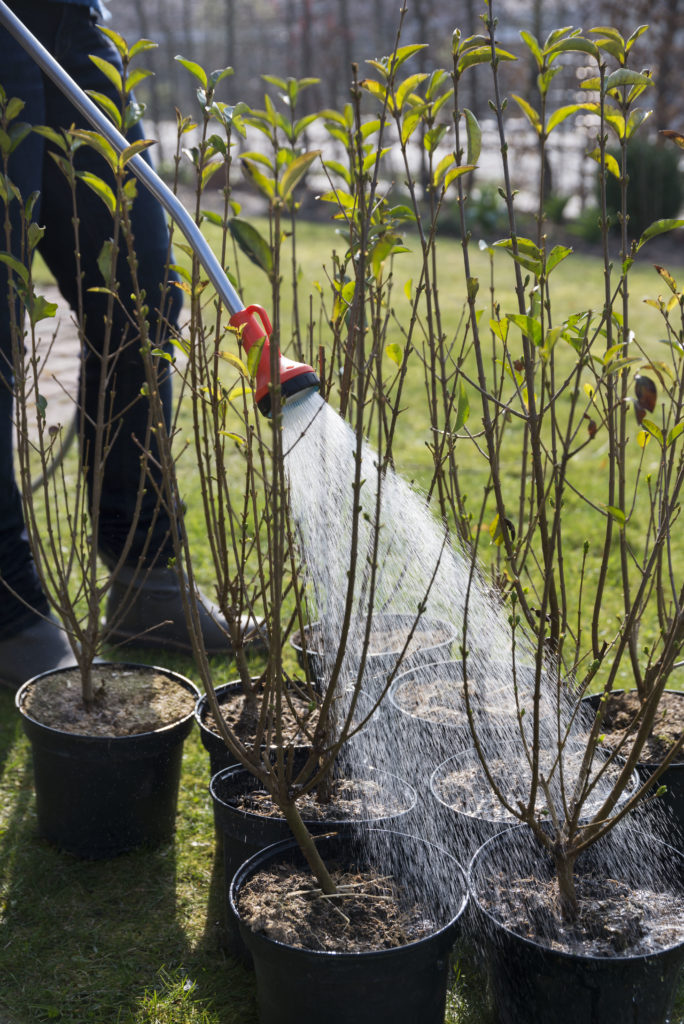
x,y
533,45
495,531
134,78
141,46
653,429
338,168
97,142
109,70
198,72
264,184
462,408
617,514
296,171
114,37
611,163
635,120
107,104
529,326
252,244
106,261
623,76
395,353
376,89
402,54
659,227
434,136
556,256
40,309
100,188
499,329
560,115
474,134
457,172
14,108
407,87
574,45
236,362
529,112
136,147
254,357
411,121
56,138
34,235
14,264
675,432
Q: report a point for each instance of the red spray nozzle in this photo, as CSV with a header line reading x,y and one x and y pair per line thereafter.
x,y
294,377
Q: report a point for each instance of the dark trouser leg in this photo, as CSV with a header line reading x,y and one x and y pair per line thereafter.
x,y
124,375
69,32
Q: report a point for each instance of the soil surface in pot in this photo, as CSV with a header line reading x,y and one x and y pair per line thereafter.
x,y
369,913
667,728
465,787
614,919
243,719
128,701
350,799
440,699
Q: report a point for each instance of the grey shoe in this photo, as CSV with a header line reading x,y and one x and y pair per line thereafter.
x,y
145,610
38,647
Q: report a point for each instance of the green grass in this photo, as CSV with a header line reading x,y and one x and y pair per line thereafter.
x,y
134,940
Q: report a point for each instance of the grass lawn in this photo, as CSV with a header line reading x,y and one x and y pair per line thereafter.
x,y
134,940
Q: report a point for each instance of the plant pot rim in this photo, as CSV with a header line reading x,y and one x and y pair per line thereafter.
x,y
225,690
295,639
286,845
508,820
412,670
646,765
131,738
540,946
333,823
505,822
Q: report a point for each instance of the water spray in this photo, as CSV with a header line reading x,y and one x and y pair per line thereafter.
x,y
297,380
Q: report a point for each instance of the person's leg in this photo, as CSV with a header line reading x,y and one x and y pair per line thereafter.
x,y
112,360
147,609
143,608
29,641
20,594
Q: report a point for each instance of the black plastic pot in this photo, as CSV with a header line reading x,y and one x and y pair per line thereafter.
x,y
219,755
244,833
467,831
427,739
98,796
672,778
379,664
464,832
529,981
404,985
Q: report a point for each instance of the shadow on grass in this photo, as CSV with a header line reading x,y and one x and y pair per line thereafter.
x,y
124,940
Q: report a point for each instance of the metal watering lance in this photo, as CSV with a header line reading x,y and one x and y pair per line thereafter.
x,y
295,378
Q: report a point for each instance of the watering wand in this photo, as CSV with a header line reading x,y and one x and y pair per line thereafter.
x,y
253,321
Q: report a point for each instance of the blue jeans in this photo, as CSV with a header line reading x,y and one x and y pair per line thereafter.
x,y
69,32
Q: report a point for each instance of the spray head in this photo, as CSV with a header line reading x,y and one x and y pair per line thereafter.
x,y
295,378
